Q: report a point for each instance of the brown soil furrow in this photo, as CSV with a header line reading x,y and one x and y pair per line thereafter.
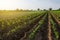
x,y
49,28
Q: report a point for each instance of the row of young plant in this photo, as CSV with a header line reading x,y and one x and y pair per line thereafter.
x,y
57,14
55,34
34,31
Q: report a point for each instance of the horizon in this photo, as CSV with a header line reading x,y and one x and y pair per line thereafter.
x,y
29,4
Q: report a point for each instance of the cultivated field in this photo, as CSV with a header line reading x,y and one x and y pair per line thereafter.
x,y
29,25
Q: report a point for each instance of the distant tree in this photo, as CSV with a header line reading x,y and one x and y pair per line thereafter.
x,y
17,9
50,9
38,9
44,9
31,9
59,9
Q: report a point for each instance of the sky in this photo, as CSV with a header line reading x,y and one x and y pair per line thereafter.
x,y
29,4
